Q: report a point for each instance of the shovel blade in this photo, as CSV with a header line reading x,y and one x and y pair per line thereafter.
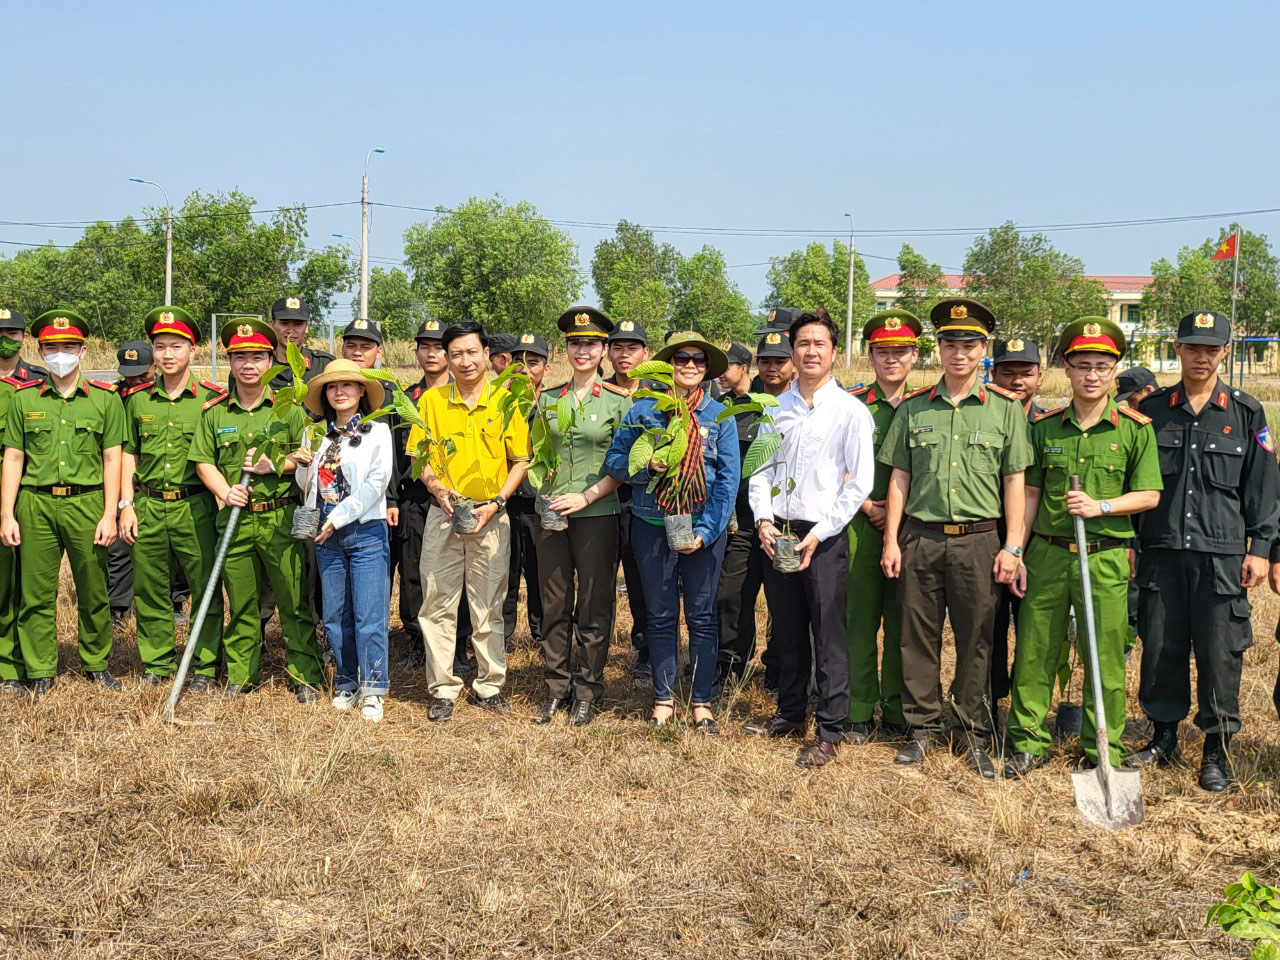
x,y
1110,802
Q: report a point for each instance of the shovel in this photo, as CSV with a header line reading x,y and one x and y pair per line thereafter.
x,y
1105,796
180,678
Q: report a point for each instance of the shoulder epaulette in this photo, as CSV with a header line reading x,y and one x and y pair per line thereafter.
x,y
103,385
916,393
215,387
1133,414
1048,413
215,401
130,391
23,384
1247,401
1007,394
614,388
324,355
12,381
859,391
556,388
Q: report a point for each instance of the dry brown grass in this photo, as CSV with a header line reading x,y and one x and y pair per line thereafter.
x,y
286,831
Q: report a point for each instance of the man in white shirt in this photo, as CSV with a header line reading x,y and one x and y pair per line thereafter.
x,y
822,472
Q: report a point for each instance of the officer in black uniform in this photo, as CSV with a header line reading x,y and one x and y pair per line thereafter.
x,y
291,318
13,330
501,346
524,521
779,322
1203,547
1132,387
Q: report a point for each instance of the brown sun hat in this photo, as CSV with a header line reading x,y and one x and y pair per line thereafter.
x,y
340,371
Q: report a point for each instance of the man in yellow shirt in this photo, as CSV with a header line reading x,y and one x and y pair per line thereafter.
x,y
480,454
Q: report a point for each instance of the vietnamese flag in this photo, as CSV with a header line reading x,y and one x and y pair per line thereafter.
x,y
1226,249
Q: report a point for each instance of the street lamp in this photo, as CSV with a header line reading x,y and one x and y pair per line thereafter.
x,y
168,240
364,235
848,313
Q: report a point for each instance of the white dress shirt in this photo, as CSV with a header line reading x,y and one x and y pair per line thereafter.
x,y
367,468
827,451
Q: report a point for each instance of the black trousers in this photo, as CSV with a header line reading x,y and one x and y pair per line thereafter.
x,y
635,589
587,552
741,575
1192,604
947,576
524,560
1006,614
813,599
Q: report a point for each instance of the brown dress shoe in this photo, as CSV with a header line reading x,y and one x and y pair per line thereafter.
x,y
817,754
773,726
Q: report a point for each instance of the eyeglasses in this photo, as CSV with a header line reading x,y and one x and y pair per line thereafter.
x,y
682,359
1101,370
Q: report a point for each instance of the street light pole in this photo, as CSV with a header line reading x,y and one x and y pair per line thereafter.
x,y
364,235
848,313
168,240
345,239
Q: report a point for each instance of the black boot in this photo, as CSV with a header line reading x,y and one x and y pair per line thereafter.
x,y
1215,765
1163,748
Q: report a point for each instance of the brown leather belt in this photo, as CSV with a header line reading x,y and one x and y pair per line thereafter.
x,y
955,529
170,495
1092,546
64,490
266,506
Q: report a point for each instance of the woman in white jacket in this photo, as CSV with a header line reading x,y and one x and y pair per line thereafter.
x,y
347,477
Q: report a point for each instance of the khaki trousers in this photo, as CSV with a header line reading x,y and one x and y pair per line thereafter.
x,y
448,560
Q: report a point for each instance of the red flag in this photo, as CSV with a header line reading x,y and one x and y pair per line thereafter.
x,y
1226,249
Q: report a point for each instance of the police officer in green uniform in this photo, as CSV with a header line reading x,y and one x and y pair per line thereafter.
x,y
1112,449
62,446
587,550
167,514
957,450
13,330
1203,547
890,340
230,441
12,672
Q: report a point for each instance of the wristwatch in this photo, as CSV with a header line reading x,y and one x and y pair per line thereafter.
x,y
124,503
1015,550
1104,506
500,501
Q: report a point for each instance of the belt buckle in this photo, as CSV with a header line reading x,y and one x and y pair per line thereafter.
x,y
170,494
1073,547
61,491
951,529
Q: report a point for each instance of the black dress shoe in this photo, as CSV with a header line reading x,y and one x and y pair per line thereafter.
x,y
12,686
103,678
858,733
913,752
414,659
978,756
1021,764
773,726
441,709
817,754
1163,748
583,712
895,731
550,707
1215,765
306,694
200,683
153,679
236,690
38,688
496,703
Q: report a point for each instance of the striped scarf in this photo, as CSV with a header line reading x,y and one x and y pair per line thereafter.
x,y
685,487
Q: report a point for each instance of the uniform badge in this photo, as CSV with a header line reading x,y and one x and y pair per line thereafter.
x,y
893,323
433,324
1092,330
361,325
773,339
1226,429
292,303
1054,450
1204,320
33,415
222,430
1264,440
61,323
526,338
626,326
5,313
960,312
1014,346
244,330
147,418
594,417
131,354
1115,446
166,317
581,320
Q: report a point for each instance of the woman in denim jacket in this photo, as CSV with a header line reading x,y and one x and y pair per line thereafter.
x,y
693,573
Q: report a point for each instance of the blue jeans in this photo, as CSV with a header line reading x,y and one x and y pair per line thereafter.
x,y
667,576
354,575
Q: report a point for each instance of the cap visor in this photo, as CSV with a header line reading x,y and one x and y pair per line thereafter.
x,y
133,370
1206,339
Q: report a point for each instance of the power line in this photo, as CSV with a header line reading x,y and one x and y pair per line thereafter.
x,y
77,224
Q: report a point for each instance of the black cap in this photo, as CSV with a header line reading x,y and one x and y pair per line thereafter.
x,y
1015,350
501,343
291,308
585,322
1207,326
364,329
774,343
780,318
530,343
1132,380
962,319
629,330
738,354
11,319
429,330
134,358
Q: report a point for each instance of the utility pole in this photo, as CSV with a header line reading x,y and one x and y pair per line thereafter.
x,y
848,313
168,239
364,235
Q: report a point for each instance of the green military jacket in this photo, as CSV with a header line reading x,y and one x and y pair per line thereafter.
x,y
1116,455
958,454
227,430
159,430
7,386
64,437
882,412
582,451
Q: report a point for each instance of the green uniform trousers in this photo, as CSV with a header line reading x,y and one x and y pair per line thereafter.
x,y
181,530
869,598
1053,591
11,666
52,526
264,547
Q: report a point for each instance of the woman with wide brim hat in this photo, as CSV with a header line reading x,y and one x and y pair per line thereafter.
x,y
703,485
347,478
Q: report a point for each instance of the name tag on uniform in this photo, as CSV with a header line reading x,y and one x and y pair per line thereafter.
x,y
146,418
222,430
33,415
1054,450
927,428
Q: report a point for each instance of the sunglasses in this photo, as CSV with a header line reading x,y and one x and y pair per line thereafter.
x,y
681,359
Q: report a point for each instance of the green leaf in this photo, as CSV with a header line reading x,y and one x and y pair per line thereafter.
x,y
564,413
676,452
537,474
760,453
450,448
658,370
764,399
641,453
273,372
791,485
297,363
386,376
774,491
284,397
1268,950
737,410
376,414
407,410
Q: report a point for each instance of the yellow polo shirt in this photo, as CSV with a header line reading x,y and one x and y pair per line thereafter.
x,y
479,465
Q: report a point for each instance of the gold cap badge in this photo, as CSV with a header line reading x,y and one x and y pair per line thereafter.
x,y
61,323
581,320
5,314
1014,346
166,317
893,323
361,325
960,312
526,338
627,326
771,314
244,330
773,339
131,354
292,303
433,324
1092,330
1204,319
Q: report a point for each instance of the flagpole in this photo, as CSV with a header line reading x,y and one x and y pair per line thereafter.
x,y
1235,286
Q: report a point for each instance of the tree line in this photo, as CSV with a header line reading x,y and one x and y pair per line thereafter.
x,y
505,266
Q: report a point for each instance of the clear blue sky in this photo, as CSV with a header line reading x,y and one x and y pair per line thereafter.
x,y
743,114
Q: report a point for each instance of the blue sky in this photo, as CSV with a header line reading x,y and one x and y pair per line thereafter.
x,y
741,115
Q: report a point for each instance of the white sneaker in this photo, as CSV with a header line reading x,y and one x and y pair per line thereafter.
x,y
371,707
344,699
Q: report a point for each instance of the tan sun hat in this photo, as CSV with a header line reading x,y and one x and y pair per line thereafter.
x,y
342,371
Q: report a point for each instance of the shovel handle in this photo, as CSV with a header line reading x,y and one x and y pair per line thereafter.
x,y
1091,640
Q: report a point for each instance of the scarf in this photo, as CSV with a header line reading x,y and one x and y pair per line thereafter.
x,y
334,487
685,486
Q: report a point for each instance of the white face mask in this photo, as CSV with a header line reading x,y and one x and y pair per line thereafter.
x,y
62,364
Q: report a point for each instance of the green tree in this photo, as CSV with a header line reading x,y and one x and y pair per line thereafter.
x,y
502,266
709,302
1032,288
819,277
395,303
921,284
635,277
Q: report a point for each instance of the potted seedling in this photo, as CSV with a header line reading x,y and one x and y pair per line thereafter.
x,y
545,446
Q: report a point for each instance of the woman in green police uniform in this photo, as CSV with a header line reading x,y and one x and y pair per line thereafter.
x,y
587,551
